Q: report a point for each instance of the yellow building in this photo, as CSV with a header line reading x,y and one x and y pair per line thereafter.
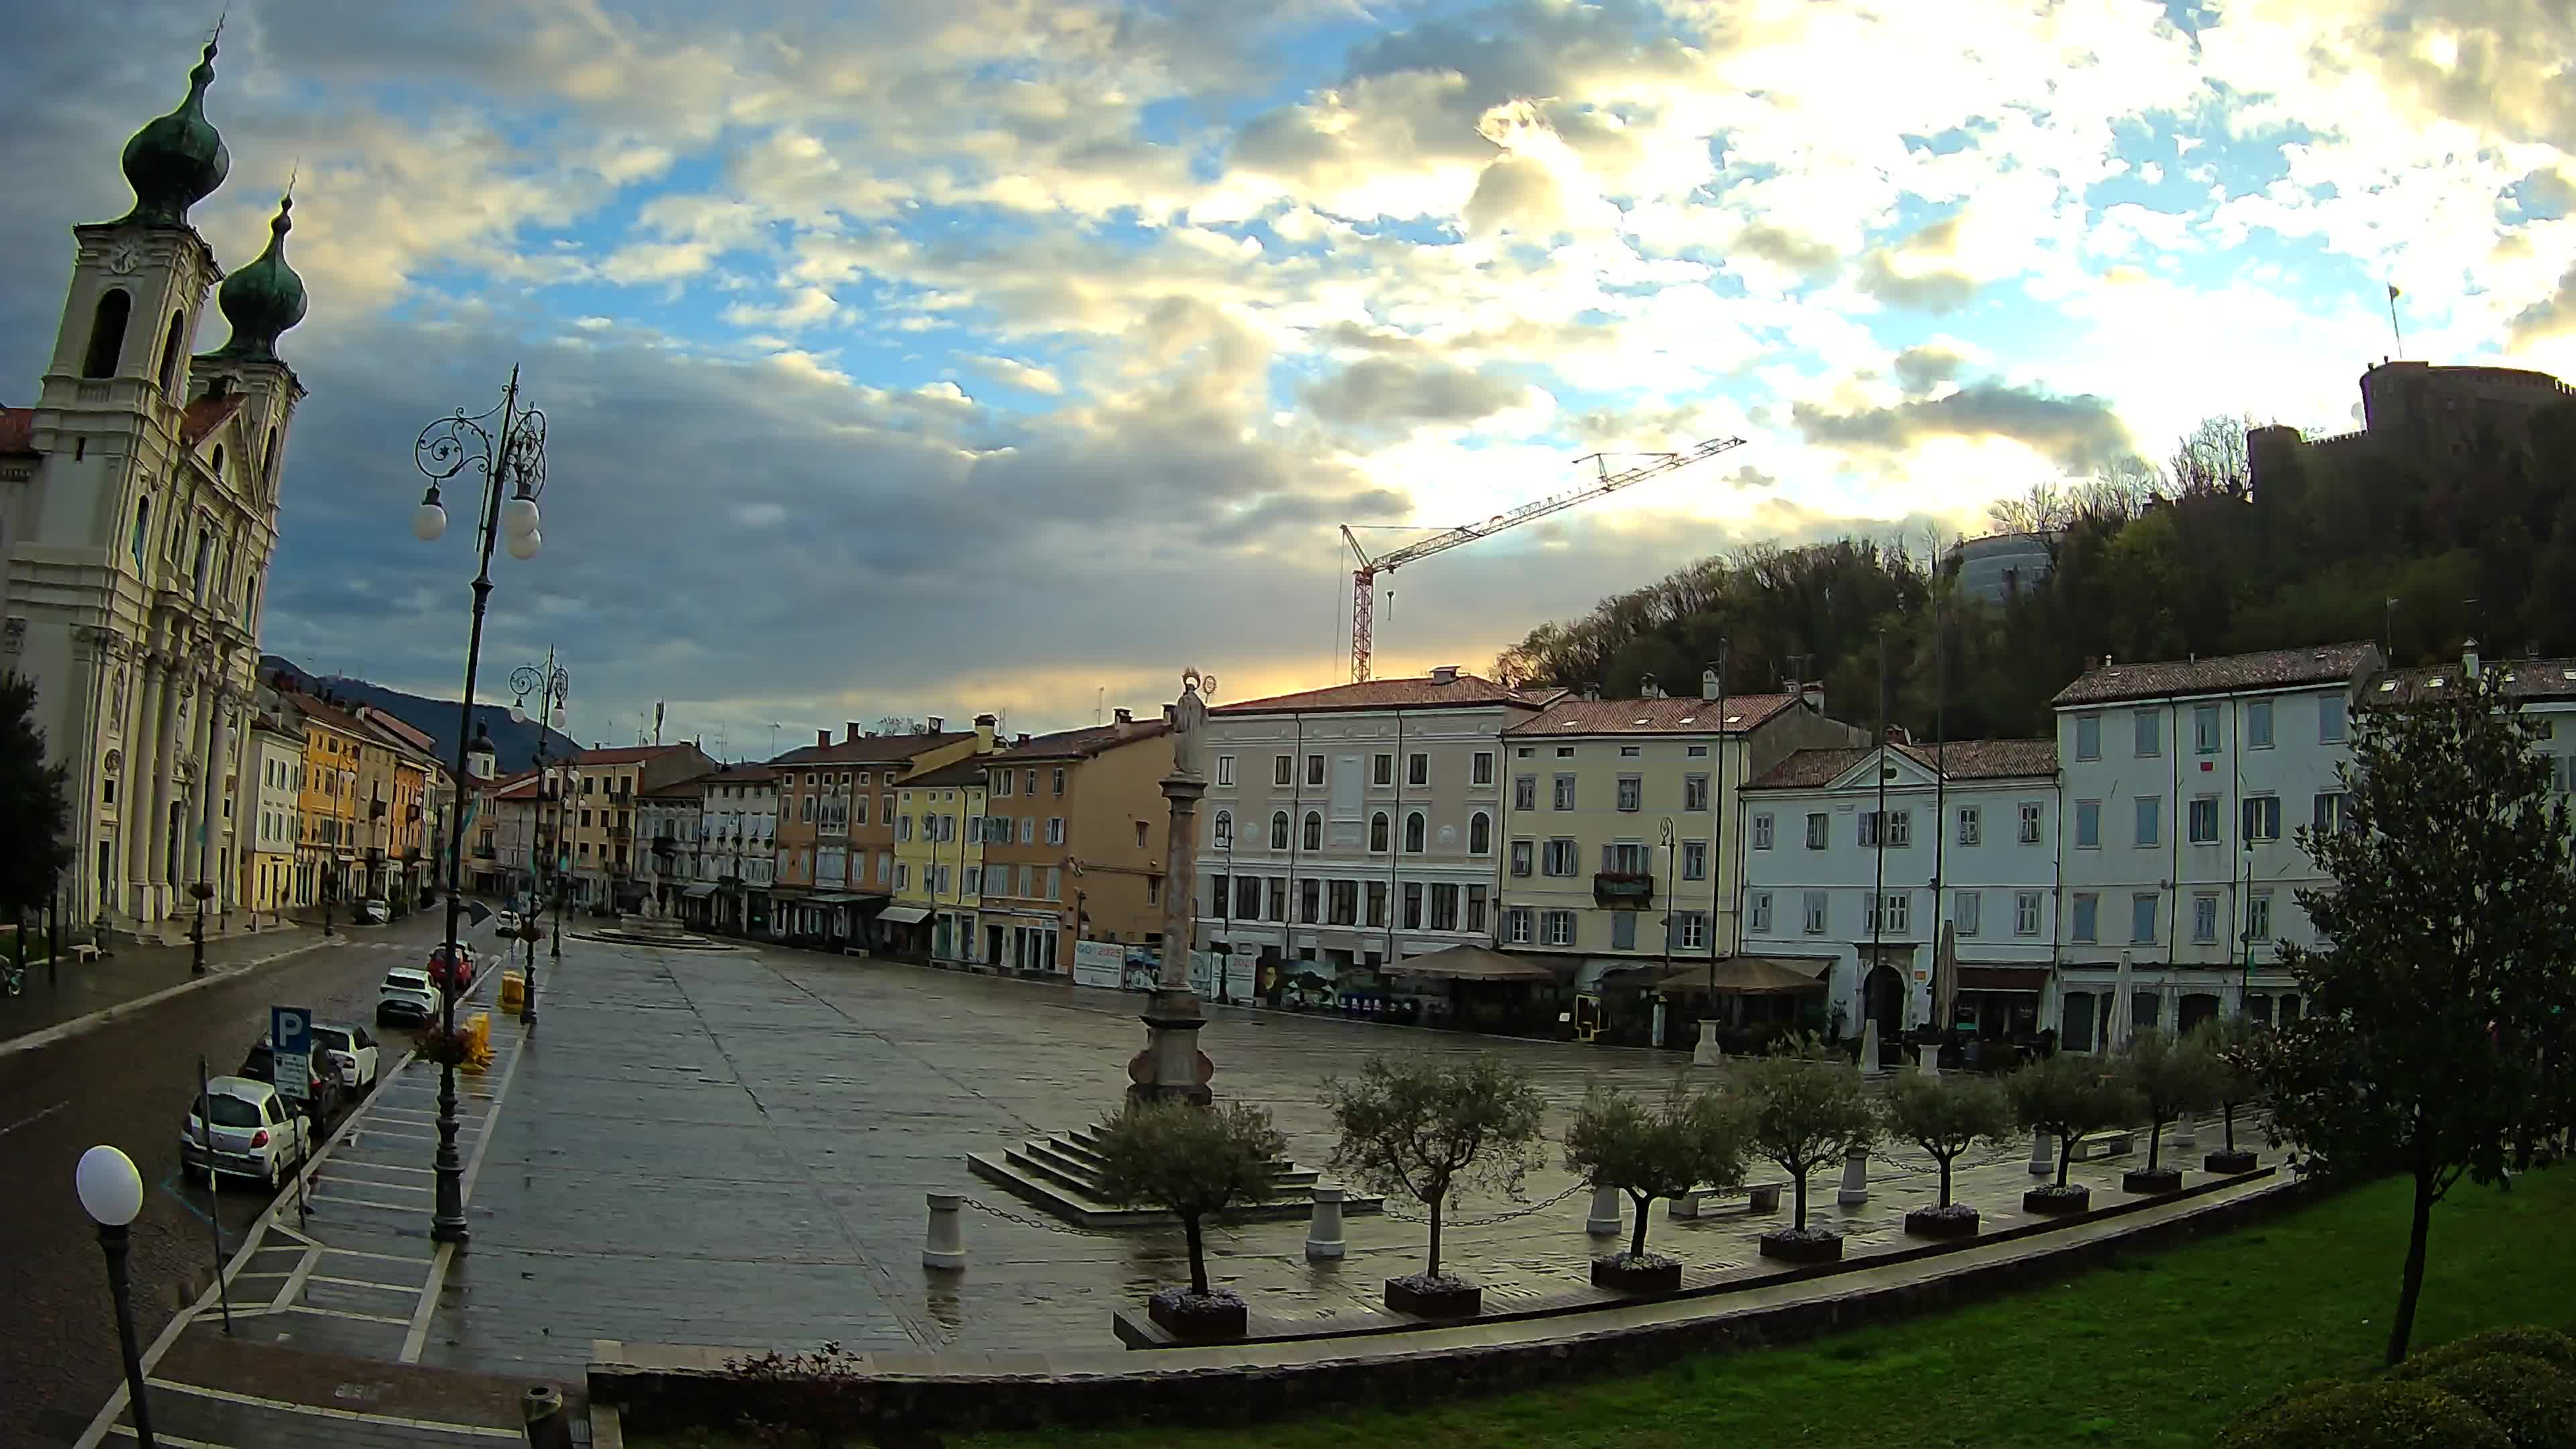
x,y
938,859
331,853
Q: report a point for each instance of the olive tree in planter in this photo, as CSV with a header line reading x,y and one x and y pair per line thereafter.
x,y
1945,1116
1429,1128
2238,1046
1807,1107
2167,1077
1693,1139
2070,1097
1194,1162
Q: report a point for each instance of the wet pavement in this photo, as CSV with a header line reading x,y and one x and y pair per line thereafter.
x,y
128,1082
53,996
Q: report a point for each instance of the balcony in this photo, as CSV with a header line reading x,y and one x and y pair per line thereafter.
x,y
1623,890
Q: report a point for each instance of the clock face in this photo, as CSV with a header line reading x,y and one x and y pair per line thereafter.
x,y
124,259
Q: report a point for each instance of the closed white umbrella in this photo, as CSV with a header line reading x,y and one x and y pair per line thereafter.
x,y
2116,1033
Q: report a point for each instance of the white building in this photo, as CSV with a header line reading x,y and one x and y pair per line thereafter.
x,y
2184,784
138,512
1856,897
740,815
1360,824
276,761
670,839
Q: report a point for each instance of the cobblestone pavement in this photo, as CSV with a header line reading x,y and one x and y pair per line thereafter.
x,y
52,997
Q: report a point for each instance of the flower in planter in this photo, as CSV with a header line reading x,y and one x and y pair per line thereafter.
x,y
2069,1097
2168,1077
1692,1139
1947,1115
1428,1128
1194,1162
1808,1108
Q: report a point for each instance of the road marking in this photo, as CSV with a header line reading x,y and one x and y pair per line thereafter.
x,y
32,1118
360,1202
366,1283
160,1438
340,1313
379,1257
295,1280
464,1194
320,1411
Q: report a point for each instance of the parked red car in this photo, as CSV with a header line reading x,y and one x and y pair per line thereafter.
x,y
464,970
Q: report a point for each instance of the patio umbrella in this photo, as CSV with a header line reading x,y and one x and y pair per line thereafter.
x,y
2116,1032
1945,978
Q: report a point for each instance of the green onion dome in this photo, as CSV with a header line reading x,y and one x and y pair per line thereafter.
x,y
177,160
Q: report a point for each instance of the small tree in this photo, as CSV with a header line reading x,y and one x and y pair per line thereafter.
x,y
1194,1162
1808,1108
2238,1046
35,846
2441,1024
2168,1077
1428,1128
1692,1140
1947,1115
2070,1097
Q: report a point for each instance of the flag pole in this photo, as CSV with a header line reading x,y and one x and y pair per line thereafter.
x,y
2400,332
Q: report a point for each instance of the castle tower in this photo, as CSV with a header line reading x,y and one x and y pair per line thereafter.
x,y
140,515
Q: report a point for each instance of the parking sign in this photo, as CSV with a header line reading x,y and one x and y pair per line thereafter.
x,y
290,1040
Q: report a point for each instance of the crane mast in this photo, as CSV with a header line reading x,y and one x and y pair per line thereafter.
x,y
1364,578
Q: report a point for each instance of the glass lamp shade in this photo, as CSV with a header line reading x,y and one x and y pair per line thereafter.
x,y
524,546
518,714
111,1191
558,718
519,517
428,521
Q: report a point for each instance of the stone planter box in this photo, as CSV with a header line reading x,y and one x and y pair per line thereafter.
x,y
1815,1245
1183,1314
2072,1198
1434,1297
1649,1274
2160,1179
1958,1220
2230,1163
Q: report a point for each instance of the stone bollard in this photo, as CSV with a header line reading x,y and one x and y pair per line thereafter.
x,y
1869,1064
946,1245
1606,1214
1324,1226
542,1410
1707,1054
1927,1059
2043,1155
1855,1188
2187,1132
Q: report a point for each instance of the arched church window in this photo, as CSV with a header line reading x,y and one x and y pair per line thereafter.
x,y
171,347
142,528
219,462
107,332
268,458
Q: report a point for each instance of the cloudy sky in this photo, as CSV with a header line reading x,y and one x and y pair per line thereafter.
x,y
927,358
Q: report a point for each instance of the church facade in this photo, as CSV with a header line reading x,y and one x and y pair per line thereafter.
x,y
138,515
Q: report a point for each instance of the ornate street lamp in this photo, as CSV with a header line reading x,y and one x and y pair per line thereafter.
x,y
111,1192
507,445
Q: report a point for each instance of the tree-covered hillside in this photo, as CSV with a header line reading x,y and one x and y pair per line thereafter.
x,y
2150,562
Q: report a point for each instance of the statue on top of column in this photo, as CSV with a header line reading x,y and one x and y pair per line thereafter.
x,y
1189,724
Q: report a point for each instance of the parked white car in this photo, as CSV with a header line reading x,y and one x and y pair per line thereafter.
x,y
256,1133
406,997
351,1050
375,911
505,923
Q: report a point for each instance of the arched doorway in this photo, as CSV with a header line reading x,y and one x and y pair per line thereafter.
x,y
1882,1000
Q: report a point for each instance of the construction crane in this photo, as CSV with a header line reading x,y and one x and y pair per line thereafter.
x,y
1364,578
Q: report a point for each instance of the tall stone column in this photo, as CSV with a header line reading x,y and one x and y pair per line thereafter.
x,y
213,727
134,791
175,687
219,826
1171,1064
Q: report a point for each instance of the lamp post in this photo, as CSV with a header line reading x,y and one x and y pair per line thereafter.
x,y
111,1192
562,864
507,445
552,685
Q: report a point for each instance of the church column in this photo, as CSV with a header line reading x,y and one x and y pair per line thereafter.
x,y
178,710
192,811
213,724
148,771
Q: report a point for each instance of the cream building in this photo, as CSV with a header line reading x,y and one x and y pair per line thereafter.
x,y
271,881
138,513
1622,821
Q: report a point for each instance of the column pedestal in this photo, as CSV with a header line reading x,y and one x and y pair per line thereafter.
x,y
1706,1053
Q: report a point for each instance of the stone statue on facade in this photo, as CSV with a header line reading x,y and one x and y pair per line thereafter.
x,y
1189,724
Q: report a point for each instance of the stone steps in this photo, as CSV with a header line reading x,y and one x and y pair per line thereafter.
x,y
1062,1175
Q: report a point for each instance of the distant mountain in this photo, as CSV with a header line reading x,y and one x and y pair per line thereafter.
x,y
515,744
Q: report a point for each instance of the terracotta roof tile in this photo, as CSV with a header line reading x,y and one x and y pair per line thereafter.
x,y
1653,716
968,771
2523,679
205,414
1959,760
17,430
1083,743
1425,693
624,754
871,749
2223,674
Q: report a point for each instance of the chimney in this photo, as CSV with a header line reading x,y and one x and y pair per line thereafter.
x,y
1124,720
1814,695
1023,739
2092,662
984,726
1646,687
849,730
937,725
1896,735
1708,685
2469,658
1444,674
822,737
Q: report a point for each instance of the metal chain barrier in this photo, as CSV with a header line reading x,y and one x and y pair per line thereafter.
x,y
1401,1215
1025,1221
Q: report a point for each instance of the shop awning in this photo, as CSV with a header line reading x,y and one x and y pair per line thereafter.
x,y
1471,963
695,893
904,915
2002,978
839,898
1750,976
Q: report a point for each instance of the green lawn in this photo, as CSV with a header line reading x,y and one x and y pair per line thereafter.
x,y
2159,1350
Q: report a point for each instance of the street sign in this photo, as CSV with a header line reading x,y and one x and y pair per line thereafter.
x,y
290,1042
